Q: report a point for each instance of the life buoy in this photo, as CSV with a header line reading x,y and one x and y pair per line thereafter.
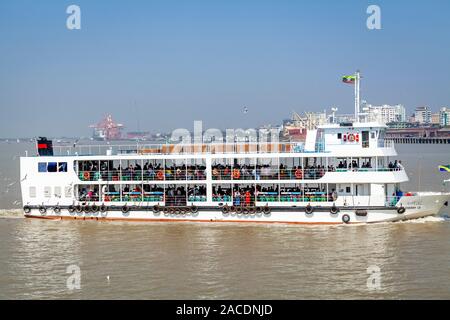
x,y
155,208
361,212
345,137
251,210
95,208
225,209
334,209
299,174
86,175
309,209
346,218
233,209
87,209
103,208
266,210
42,210
401,210
351,137
194,209
357,137
238,210
57,209
125,210
258,210
26,209
160,175
236,174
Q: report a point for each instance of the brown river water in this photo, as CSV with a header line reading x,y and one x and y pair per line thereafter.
x,y
121,260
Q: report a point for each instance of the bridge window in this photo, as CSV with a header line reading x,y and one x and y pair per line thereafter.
x,y
62,166
42,167
52,167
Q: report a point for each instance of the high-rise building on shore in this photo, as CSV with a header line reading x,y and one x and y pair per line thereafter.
x,y
423,115
387,113
444,117
435,118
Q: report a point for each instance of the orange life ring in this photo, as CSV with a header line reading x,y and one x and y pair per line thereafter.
x,y
351,137
236,174
298,174
86,175
160,175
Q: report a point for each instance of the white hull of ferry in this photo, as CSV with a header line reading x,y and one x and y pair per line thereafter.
x,y
415,207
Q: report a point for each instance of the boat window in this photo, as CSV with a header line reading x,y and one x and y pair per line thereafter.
x,y
32,192
47,192
62,167
221,192
42,167
197,192
68,192
267,192
58,192
339,135
153,192
51,167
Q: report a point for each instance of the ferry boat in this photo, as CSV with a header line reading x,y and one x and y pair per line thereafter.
x,y
343,173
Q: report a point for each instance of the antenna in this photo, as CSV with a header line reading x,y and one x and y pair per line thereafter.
x,y
357,99
334,109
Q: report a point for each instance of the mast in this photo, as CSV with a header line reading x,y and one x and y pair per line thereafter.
x,y
357,99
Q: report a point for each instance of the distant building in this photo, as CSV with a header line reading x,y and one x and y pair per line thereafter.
x,y
423,115
387,113
444,117
435,118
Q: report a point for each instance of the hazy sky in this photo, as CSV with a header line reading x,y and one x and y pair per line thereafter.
x,y
181,61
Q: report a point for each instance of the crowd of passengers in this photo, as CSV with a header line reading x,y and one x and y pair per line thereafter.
x,y
353,165
219,172
267,172
136,172
184,172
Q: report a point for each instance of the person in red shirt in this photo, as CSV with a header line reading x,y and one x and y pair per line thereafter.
x,y
247,198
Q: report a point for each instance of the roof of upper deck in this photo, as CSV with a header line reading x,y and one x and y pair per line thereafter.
x,y
359,125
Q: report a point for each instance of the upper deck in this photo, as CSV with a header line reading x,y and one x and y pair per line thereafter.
x,y
332,140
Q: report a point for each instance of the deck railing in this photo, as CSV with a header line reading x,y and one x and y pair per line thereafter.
x,y
184,149
233,174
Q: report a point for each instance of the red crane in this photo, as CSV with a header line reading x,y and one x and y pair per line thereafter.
x,y
107,129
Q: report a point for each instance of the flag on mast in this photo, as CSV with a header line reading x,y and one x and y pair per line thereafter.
x,y
349,79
